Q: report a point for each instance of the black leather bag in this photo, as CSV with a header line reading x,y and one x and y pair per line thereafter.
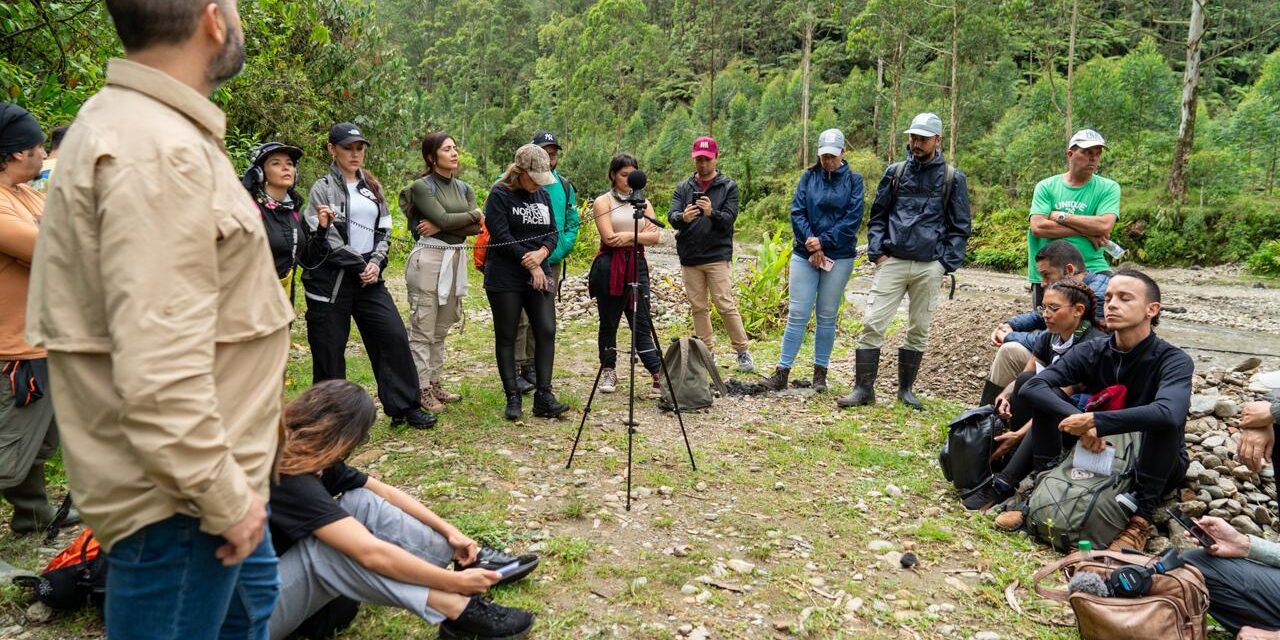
x,y
966,454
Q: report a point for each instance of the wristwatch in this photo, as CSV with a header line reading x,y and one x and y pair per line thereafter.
x,y
1060,217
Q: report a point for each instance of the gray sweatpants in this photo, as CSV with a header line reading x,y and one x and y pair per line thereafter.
x,y
1242,593
313,573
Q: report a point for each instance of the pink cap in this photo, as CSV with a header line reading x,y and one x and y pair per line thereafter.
x,y
705,147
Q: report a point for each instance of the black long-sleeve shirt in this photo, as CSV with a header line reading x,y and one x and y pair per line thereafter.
x,y
518,222
1156,375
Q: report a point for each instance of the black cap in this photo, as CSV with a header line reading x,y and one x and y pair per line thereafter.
x,y
346,133
545,139
19,130
260,154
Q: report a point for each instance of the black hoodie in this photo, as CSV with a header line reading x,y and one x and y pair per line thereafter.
x,y
704,239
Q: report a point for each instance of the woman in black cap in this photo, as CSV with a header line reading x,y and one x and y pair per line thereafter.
x,y
348,282
270,179
522,233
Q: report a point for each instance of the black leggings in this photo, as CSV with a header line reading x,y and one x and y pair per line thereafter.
x,y
1019,465
612,308
540,307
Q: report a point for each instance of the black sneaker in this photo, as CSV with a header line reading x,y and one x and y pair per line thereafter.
x,y
493,560
991,492
484,620
417,418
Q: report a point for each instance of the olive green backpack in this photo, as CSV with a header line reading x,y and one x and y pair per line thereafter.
x,y
693,375
1069,505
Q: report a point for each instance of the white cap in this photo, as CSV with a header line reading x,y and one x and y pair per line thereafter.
x,y
830,142
926,124
1086,138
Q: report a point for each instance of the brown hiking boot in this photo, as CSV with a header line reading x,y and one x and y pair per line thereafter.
x,y
429,401
819,378
656,390
1134,536
1009,520
777,381
442,394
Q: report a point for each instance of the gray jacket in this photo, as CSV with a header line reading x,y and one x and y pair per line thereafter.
x,y
324,274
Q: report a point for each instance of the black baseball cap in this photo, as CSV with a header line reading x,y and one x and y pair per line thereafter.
x,y
260,155
346,133
545,139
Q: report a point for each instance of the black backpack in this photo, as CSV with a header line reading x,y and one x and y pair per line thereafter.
x,y
966,453
75,578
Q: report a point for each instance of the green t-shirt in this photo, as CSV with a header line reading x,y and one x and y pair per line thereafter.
x,y
1097,197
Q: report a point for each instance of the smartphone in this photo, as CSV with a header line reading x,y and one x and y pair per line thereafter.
x,y
1194,529
697,195
827,263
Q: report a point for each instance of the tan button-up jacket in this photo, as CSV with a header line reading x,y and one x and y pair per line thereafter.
x,y
154,292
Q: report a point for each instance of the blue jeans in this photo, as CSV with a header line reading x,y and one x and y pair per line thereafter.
x,y
807,285
164,583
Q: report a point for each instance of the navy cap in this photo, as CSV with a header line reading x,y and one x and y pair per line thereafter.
x,y
545,139
346,133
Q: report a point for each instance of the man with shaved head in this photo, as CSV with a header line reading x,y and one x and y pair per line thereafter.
x,y
154,293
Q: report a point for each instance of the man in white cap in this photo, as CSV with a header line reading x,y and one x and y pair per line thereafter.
x,y
1078,205
917,233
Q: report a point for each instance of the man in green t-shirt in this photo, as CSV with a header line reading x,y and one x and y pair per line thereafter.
x,y
1078,205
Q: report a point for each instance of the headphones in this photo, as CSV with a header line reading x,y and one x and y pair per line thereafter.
x,y
255,175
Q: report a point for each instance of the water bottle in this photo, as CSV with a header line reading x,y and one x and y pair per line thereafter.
x,y
1086,549
1114,250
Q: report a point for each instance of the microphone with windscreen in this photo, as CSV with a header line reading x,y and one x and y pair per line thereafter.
x,y
637,181
1091,583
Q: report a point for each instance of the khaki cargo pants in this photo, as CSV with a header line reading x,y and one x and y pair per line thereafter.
x,y
894,278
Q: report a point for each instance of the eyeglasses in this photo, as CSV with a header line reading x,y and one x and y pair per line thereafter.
x,y
1052,308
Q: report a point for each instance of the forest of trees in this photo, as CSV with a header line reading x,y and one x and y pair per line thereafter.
x,y
1197,153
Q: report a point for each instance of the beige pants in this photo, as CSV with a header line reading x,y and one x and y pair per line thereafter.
x,y
1010,360
429,320
713,283
524,333
894,278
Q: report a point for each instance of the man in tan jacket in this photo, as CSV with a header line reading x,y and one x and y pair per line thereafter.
x,y
154,293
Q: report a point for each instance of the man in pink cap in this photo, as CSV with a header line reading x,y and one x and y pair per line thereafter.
x,y
703,211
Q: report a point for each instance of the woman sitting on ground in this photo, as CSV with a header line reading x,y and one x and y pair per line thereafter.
x,y
615,267
1068,313
340,533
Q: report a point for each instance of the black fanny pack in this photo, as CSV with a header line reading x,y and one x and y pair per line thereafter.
x,y
26,379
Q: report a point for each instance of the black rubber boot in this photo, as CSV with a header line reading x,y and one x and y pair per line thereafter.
x,y
908,367
526,380
819,378
777,381
545,404
866,365
514,409
31,508
989,392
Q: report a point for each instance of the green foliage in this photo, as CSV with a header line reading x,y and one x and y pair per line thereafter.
x,y
1266,260
647,76
762,292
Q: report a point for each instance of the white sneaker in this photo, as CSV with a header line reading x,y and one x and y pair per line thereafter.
x,y
746,362
608,381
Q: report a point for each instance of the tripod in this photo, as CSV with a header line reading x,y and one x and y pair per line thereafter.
x,y
633,286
